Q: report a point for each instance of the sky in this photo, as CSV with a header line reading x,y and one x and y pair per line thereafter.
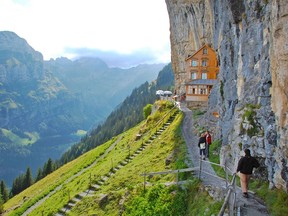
x,y
123,33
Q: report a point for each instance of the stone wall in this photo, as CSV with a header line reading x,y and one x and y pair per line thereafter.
x,y
250,38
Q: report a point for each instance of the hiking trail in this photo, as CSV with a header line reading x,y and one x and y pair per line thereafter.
x,y
252,206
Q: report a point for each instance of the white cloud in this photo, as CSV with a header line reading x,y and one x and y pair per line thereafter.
x,y
122,26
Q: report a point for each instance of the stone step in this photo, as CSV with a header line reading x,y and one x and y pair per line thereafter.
x,y
123,163
82,195
119,166
63,211
94,187
100,182
71,205
75,200
127,160
111,173
68,206
104,178
89,192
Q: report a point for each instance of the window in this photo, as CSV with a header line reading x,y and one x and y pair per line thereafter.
x,y
193,75
194,63
194,90
205,51
204,75
202,90
204,63
191,89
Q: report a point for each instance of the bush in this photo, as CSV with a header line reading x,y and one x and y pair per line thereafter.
x,y
147,110
159,200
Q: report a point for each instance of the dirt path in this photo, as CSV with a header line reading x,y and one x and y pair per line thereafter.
x,y
251,206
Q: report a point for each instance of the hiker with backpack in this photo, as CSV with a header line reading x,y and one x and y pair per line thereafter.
x,y
208,142
245,167
202,146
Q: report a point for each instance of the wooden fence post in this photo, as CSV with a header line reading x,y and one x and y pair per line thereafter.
x,y
230,206
144,181
226,174
200,168
234,191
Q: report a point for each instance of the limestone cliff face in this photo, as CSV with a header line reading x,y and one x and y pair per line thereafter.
x,y
250,38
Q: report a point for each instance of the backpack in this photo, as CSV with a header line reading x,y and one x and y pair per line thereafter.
x,y
202,146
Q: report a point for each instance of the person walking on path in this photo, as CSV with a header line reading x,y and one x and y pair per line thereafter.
x,y
202,146
208,142
245,167
252,206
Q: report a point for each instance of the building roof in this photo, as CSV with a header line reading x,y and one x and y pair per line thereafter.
x,y
201,48
202,82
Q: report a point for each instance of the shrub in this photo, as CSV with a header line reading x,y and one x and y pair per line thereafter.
x,y
147,110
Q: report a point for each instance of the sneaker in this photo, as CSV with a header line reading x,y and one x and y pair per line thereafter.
x,y
245,195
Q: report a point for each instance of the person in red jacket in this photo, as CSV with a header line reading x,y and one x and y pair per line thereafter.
x,y
208,142
245,167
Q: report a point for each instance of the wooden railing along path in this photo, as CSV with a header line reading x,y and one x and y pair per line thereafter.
x,y
230,199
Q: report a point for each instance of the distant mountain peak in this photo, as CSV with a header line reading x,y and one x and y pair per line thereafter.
x,y
92,61
12,42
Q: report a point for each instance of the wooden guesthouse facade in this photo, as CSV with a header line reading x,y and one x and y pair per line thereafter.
x,y
201,70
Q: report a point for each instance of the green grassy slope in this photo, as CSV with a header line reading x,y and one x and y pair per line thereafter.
x,y
113,171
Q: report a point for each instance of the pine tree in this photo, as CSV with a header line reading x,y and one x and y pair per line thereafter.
x,y
48,167
39,175
28,180
1,205
18,185
4,191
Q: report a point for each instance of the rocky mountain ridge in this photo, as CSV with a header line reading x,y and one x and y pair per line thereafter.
x,y
250,97
28,91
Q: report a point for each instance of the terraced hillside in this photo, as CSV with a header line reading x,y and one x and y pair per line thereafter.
x,y
104,180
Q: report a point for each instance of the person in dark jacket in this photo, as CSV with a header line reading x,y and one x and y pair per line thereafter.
x,y
245,167
202,146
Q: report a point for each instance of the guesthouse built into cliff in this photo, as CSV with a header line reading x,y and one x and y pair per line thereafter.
x,y
201,70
